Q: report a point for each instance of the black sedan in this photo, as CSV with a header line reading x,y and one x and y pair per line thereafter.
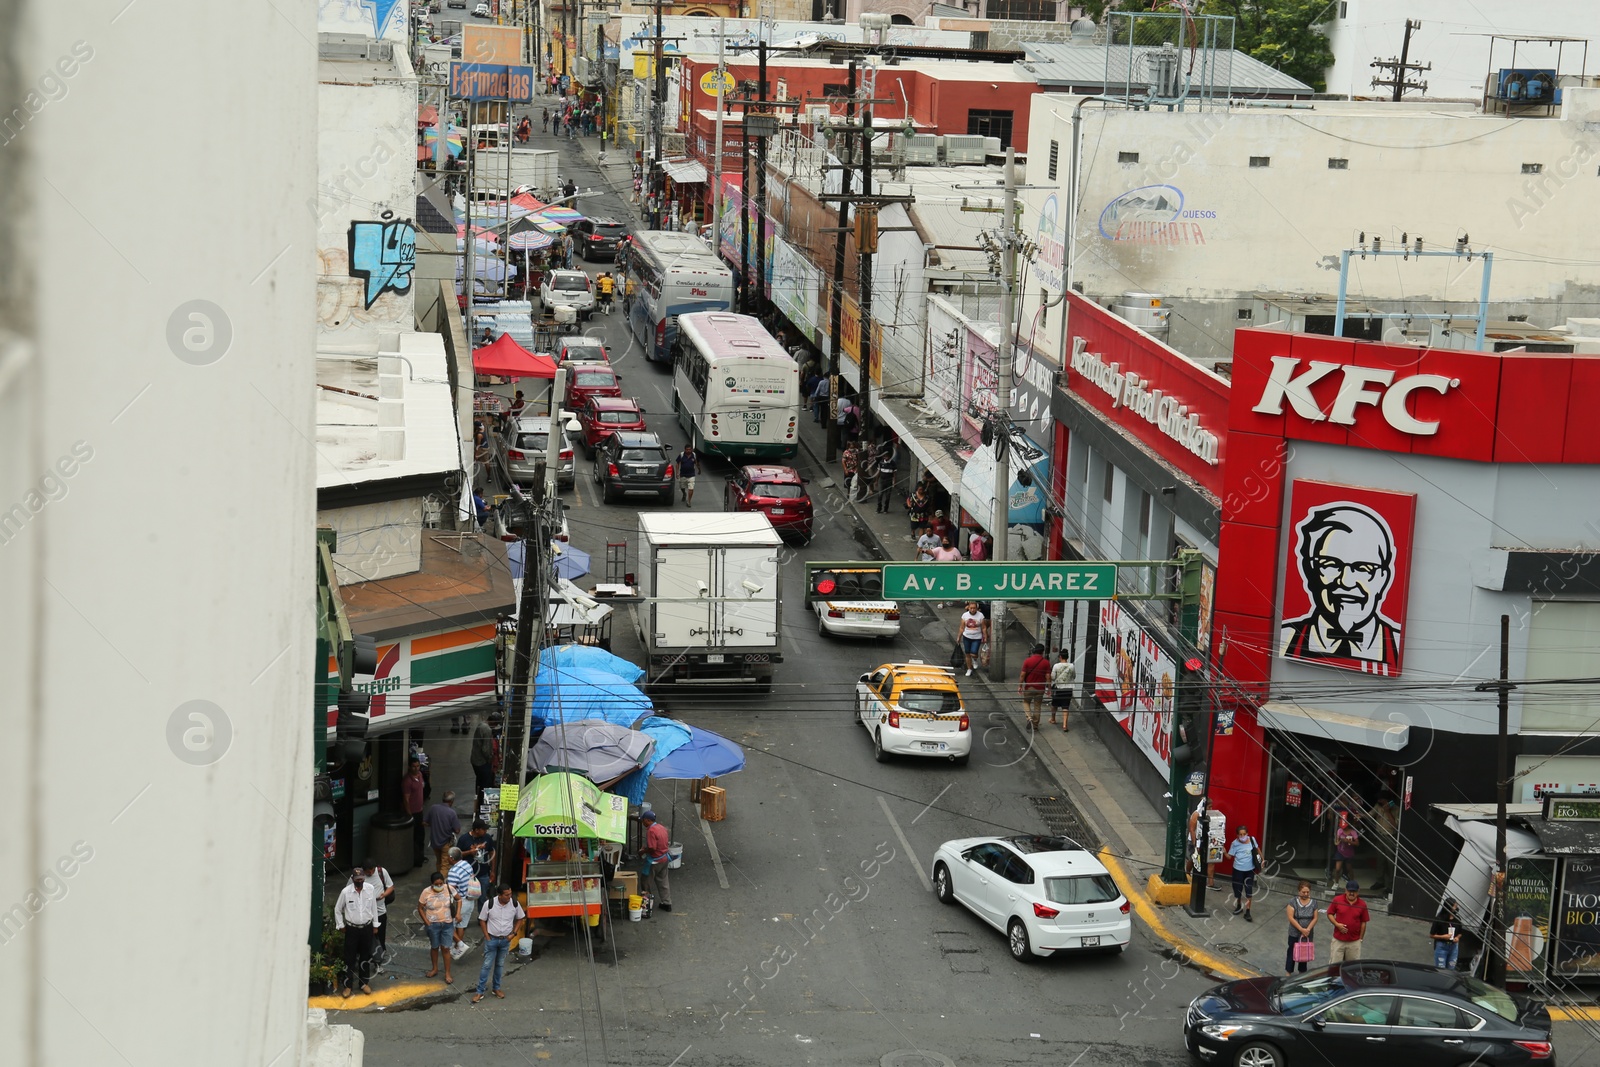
x,y
1372,1013
627,463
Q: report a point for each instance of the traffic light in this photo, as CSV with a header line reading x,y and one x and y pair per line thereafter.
x,y
350,745
322,813
824,583
363,654
1189,723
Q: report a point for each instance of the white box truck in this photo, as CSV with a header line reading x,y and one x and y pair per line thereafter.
x,y
534,167
710,608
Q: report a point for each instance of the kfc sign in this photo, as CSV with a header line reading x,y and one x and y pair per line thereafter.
x,y
1346,577
1374,386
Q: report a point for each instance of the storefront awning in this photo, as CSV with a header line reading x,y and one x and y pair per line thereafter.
x,y
684,171
1335,726
1566,837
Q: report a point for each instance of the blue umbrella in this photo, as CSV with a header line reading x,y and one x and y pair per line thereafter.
x,y
707,755
571,563
669,735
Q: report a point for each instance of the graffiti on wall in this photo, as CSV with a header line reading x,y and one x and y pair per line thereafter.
x,y
383,254
371,18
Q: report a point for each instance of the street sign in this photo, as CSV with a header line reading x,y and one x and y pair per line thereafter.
x,y
708,82
999,581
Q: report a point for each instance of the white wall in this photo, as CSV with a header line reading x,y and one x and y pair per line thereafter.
x,y
1413,171
163,879
1451,40
376,541
366,147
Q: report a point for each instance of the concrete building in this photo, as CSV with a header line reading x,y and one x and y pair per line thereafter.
x,y
157,563
1454,41
1207,208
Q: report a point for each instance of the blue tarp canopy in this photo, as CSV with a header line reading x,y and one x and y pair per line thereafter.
x,y
670,735
565,658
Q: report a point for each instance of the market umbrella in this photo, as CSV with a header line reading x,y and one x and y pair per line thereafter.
x,y
707,755
569,805
452,139
669,735
599,750
529,241
563,215
570,562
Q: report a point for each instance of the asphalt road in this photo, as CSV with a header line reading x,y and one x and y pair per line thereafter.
x,y
812,936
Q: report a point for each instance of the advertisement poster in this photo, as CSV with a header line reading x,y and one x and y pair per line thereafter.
x,y
1136,682
1345,577
1530,893
1578,918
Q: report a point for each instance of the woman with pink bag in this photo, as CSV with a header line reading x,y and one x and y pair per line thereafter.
x,y
1302,915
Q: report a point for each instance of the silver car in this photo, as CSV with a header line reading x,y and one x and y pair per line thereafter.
x,y
573,288
526,444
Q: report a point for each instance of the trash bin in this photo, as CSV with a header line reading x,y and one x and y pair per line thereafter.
x,y
389,841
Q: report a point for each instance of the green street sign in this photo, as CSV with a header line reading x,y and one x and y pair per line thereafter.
x,y
999,581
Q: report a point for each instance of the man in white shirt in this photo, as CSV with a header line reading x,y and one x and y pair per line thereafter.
x,y
500,920
356,913
383,885
926,543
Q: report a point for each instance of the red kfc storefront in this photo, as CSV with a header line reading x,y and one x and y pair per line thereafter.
x,y
1374,510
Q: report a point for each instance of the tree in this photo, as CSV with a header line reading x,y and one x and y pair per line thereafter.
x,y
1284,34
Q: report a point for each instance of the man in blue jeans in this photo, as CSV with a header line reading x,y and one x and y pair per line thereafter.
x,y
500,919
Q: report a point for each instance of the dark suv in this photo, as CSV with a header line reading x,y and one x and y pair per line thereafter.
x,y
598,238
633,463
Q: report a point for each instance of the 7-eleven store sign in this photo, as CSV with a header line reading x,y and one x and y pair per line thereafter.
x,y
427,673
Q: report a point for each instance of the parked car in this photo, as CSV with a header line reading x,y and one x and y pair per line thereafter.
x,y
849,602
1372,1012
573,288
481,11
914,709
602,415
577,348
595,238
1046,894
630,463
778,492
589,379
457,3
526,444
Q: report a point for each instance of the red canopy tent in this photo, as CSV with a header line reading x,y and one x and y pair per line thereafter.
x,y
507,359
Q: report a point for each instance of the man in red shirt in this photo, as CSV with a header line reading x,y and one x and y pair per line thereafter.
x,y
656,844
411,789
1035,676
1349,917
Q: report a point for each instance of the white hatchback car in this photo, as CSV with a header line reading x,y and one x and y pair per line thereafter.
x,y
573,288
1046,894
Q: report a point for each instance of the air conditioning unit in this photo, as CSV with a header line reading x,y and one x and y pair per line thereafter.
x,y
923,150
962,148
993,147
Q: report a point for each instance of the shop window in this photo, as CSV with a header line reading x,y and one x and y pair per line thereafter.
x,y
1144,516
1563,642
986,123
1110,475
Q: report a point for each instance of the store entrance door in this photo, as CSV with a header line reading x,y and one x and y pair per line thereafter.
x,y
1314,796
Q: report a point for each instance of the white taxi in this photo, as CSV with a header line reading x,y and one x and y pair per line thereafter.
x,y
914,709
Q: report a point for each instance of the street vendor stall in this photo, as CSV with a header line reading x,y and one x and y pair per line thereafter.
x,y
565,817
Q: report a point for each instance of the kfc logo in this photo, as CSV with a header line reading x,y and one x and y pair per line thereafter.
x,y
1345,581
1283,384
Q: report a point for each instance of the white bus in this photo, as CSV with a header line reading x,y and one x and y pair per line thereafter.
x,y
677,274
735,391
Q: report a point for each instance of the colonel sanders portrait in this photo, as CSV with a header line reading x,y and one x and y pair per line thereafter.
x,y
1345,554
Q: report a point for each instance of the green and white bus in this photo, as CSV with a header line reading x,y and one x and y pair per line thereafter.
x,y
736,392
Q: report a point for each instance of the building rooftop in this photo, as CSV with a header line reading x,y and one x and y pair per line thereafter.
x,y
1058,65
464,579
348,447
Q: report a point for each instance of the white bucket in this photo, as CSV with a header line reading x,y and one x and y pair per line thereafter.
x,y
674,856
525,948
635,914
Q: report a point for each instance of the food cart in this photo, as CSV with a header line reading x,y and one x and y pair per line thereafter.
x,y
565,815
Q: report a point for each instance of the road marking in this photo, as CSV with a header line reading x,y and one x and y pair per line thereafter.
x,y
1193,951
716,857
922,875
932,802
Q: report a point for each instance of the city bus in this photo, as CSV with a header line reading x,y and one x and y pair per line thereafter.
x,y
735,391
677,274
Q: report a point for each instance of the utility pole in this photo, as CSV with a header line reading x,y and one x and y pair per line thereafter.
x,y
1496,941
836,310
866,245
658,104
531,608
1399,69
716,164
1002,440
761,171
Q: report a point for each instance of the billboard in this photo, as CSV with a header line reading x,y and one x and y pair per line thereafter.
x,y
1345,577
491,44
1578,915
1136,681
488,81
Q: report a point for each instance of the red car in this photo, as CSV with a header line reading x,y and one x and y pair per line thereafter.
x,y
777,492
590,379
602,415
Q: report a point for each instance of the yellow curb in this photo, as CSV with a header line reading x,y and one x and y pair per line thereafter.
x,y
1192,950
1167,894
384,997
1573,1015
